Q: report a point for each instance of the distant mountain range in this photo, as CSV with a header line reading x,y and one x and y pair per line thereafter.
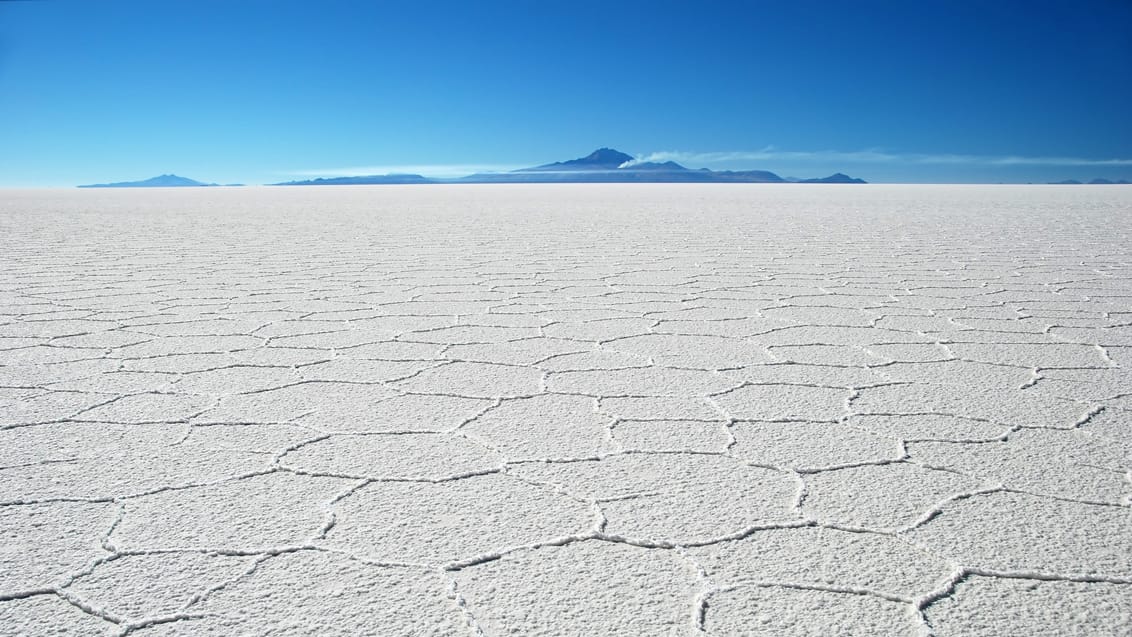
x,y
1099,181
361,180
160,181
604,165
835,178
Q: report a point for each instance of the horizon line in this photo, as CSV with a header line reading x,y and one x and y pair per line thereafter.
x,y
768,153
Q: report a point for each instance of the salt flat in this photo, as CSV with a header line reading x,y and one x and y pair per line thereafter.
x,y
566,410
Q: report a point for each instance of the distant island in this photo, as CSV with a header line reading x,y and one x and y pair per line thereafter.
x,y
1099,181
161,181
604,165
365,180
835,178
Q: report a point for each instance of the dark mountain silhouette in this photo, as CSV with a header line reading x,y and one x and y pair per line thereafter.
x,y
360,180
161,181
607,165
600,159
835,178
604,165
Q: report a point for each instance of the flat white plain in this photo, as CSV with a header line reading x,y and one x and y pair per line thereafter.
x,y
566,410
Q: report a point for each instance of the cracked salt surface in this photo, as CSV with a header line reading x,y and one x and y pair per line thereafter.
x,y
578,410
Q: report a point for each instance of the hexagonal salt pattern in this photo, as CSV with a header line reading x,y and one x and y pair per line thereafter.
x,y
50,615
1009,606
308,592
465,519
592,588
784,610
447,411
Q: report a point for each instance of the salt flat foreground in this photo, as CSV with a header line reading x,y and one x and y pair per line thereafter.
x,y
580,410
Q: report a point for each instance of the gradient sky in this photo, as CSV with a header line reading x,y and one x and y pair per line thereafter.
x,y
257,91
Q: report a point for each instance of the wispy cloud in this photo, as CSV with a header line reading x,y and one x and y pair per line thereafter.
x,y
871,157
428,170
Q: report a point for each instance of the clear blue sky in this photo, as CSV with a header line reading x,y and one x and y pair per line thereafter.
x,y
258,91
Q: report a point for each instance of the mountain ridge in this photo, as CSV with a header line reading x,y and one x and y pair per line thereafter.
x,y
835,178
161,181
601,159
607,165
604,165
362,180
1099,181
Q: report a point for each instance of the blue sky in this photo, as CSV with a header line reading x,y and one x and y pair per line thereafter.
x,y
257,91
